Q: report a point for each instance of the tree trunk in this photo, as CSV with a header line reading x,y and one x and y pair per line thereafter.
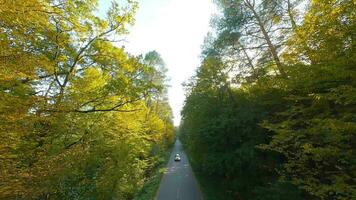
x,y
271,47
290,15
249,60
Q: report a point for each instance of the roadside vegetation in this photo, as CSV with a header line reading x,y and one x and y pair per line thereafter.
x,y
151,186
80,118
271,111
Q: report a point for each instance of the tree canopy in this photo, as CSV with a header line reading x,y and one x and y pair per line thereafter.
x,y
270,113
75,122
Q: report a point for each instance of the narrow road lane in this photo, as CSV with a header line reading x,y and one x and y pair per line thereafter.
x,y
178,182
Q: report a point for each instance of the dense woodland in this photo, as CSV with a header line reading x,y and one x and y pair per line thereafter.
x,y
269,115
271,111
80,118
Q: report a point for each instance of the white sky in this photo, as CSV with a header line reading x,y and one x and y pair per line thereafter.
x,y
176,29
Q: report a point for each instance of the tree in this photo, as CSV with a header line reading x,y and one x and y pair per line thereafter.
x,y
271,136
315,132
73,113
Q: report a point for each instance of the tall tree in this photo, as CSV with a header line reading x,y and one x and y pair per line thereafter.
x,y
257,29
270,136
73,118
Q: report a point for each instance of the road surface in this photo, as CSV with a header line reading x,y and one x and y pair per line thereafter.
x,y
178,182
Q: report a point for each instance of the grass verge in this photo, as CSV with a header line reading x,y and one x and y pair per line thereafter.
x,y
149,189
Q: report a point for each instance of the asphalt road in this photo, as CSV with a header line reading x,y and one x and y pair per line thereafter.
x,y
178,182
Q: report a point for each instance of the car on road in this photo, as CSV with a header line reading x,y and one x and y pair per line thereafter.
x,y
177,157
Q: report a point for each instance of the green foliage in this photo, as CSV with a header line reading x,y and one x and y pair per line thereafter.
x,y
259,135
220,129
150,188
75,122
315,132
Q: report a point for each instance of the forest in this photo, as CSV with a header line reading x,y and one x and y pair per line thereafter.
x,y
80,118
271,112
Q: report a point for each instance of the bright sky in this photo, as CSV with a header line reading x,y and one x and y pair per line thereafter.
x,y
176,29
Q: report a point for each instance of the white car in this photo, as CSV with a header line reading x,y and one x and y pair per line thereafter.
x,y
177,157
